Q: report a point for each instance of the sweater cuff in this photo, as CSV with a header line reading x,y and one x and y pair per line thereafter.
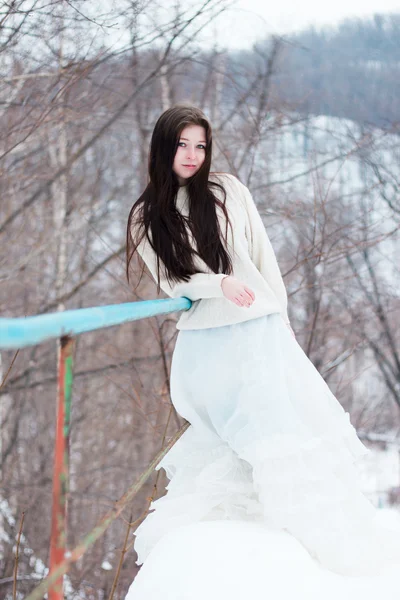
x,y
216,280
200,285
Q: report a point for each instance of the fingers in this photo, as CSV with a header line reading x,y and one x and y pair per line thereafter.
x,y
248,296
250,292
239,293
245,299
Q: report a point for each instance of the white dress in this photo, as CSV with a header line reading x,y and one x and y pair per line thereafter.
x,y
268,443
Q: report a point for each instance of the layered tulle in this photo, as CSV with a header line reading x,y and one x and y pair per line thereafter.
x,y
268,442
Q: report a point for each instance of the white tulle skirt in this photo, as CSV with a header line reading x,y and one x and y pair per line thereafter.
x,y
268,443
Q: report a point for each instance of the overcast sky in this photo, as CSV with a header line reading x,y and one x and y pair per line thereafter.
x,y
246,21
252,19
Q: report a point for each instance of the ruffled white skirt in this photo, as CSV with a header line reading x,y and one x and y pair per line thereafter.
x,y
268,442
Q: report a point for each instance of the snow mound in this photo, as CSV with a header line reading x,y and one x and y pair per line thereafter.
x,y
232,560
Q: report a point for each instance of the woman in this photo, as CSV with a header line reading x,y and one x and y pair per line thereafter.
x,y
268,440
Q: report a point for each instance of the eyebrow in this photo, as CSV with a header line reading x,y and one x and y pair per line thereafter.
x,y
186,140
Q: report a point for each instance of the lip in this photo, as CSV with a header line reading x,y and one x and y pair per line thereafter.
x,y
189,166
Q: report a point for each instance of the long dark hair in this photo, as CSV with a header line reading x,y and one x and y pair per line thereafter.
x,y
155,210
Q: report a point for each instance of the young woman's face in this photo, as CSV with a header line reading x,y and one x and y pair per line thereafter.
x,y
191,152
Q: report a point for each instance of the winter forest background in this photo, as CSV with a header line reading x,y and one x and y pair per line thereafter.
x,y
310,122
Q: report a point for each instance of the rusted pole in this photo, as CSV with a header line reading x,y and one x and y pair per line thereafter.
x,y
61,463
102,525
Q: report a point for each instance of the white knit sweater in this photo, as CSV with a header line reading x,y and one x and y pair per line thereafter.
x,y
253,260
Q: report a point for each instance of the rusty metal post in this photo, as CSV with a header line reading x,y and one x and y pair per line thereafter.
x,y
61,463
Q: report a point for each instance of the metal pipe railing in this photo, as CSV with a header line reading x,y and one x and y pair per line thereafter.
x,y
29,331
16,333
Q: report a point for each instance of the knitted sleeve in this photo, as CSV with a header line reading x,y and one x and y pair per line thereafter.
x,y
200,285
261,251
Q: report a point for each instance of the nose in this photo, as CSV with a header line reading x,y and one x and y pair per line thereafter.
x,y
191,154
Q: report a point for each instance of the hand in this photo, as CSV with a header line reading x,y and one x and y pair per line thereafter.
x,y
237,292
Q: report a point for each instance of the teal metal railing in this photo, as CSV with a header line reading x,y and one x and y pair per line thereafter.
x,y
19,333
29,331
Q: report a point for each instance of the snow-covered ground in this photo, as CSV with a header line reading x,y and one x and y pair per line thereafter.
x,y
379,472
233,560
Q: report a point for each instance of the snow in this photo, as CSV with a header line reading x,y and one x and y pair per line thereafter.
x,y
37,568
238,559
379,472
235,560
